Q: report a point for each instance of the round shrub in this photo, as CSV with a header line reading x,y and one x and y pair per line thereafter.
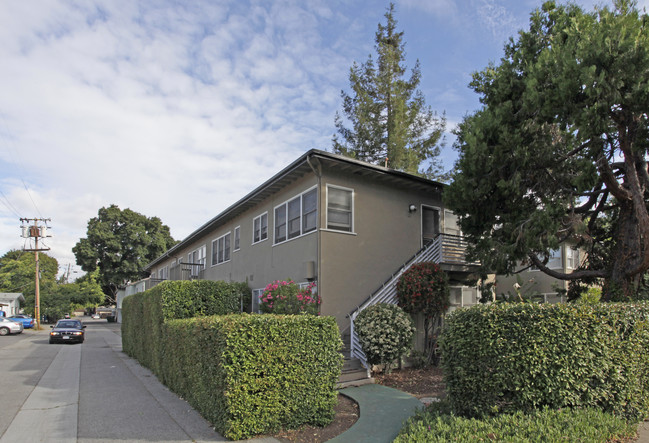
x,y
385,333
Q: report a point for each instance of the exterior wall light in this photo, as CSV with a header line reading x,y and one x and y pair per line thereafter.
x,y
412,208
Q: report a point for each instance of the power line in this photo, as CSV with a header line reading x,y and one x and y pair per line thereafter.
x,y
16,160
9,206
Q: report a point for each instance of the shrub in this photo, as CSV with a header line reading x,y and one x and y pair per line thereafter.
x,y
385,332
247,374
286,297
254,374
423,288
144,313
509,357
589,425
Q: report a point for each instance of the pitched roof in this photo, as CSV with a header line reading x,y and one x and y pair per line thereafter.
x,y
309,162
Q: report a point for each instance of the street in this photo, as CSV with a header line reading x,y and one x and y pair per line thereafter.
x,y
87,392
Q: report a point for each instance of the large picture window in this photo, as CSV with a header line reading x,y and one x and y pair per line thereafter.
x,y
221,249
260,228
297,216
340,209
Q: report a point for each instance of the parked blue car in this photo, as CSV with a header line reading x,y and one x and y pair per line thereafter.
x,y
26,320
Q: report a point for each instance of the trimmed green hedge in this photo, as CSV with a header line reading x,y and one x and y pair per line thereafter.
x,y
522,357
577,425
143,314
255,374
247,374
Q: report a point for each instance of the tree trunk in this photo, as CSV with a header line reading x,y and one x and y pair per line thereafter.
x,y
628,252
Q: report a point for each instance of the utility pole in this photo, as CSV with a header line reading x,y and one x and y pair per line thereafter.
x,y
35,231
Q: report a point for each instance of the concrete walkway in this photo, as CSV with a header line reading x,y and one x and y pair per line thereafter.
x,y
383,411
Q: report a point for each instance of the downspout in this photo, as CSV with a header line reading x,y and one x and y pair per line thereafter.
x,y
318,173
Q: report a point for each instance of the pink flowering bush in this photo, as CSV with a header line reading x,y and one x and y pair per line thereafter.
x,y
286,297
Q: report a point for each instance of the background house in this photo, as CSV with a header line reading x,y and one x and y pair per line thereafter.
x,y
545,288
10,302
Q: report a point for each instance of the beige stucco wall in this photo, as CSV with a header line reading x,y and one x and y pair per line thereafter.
x,y
263,262
385,236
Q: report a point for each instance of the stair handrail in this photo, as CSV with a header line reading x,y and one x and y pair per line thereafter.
x,y
432,251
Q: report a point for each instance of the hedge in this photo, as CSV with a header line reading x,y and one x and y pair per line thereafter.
x,y
256,374
522,357
143,314
546,425
247,374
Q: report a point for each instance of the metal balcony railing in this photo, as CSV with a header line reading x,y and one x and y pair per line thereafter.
x,y
187,271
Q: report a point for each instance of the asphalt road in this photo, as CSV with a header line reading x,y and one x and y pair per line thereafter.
x,y
90,392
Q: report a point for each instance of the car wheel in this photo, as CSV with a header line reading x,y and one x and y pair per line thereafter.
x,y
4,331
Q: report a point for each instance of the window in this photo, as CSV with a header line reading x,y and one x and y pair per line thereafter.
x,y
256,300
280,223
340,209
554,260
572,257
260,228
297,216
237,238
196,261
221,249
309,211
294,215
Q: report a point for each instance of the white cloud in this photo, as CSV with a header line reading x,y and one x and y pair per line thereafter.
x,y
174,111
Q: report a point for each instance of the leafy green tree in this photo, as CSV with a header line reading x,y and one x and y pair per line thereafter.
x,y
389,117
119,244
18,274
559,150
85,292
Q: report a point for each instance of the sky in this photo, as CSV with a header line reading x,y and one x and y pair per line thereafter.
x,y
178,109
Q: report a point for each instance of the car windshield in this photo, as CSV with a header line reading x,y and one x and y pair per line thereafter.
x,y
68,324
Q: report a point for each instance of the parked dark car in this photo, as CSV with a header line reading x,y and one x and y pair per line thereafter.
x,y
67,331
26,320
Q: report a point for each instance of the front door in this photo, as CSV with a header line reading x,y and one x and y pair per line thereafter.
x,y
429,223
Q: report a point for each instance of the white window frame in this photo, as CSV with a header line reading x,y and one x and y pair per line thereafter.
x,y
352,214
219,254
201,259
572,257
254,229
255,307
300,219
236,239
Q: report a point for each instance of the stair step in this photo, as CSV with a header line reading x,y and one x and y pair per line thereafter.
x,y
352,365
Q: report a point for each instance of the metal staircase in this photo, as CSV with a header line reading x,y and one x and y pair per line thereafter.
x,y
444,249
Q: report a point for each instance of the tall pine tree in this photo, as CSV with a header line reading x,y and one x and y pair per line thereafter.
x,y
390,122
